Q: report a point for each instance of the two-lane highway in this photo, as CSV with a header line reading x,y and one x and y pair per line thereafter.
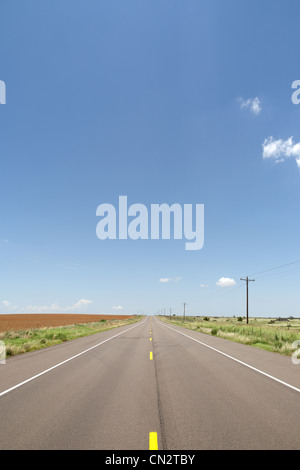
x,y
149,385
217,394
97,392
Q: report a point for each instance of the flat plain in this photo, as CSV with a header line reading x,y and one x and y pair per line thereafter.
x,y
42,320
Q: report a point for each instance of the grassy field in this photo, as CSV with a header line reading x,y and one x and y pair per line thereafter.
x,y
32,339
263,333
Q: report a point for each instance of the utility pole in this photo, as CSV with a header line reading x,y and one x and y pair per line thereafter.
x,y
247,280
170,313
184,311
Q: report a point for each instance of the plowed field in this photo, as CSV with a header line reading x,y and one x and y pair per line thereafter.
x,y
37,320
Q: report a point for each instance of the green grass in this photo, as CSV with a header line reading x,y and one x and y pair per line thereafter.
x,y
21,341
263,333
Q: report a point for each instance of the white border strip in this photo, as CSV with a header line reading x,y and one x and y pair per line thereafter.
x,y
64,362
236,360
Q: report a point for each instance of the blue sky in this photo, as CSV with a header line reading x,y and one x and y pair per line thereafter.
x,y
165,102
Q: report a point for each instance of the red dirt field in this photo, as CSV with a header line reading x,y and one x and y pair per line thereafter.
x,y
40,320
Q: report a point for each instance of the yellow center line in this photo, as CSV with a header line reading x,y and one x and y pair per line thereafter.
x,y
153,445
151,356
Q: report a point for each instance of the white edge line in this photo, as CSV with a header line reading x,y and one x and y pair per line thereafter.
x,y
63,362
237,360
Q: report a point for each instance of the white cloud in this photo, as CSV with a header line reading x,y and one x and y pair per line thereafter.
x,y
117,307
225,282
203,285
7,307
253,104
279,149
79,306
170,279
53,308
81,303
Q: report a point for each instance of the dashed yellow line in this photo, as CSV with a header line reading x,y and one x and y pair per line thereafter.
x,y
153,445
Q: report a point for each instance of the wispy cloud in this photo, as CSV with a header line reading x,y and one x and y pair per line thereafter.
x,y
253,104
117,307
70,266
225,282
279,150
79,306
169,279
82,303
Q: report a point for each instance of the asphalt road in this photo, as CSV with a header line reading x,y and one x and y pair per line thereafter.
x,y
111,390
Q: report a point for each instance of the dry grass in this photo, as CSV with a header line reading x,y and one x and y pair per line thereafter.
x,y
262,333
22,341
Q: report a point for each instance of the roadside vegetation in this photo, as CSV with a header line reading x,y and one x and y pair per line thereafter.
x,y
271,334
21,341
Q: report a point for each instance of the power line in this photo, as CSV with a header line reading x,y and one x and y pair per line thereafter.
x,y
276,267
217,294
279,274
